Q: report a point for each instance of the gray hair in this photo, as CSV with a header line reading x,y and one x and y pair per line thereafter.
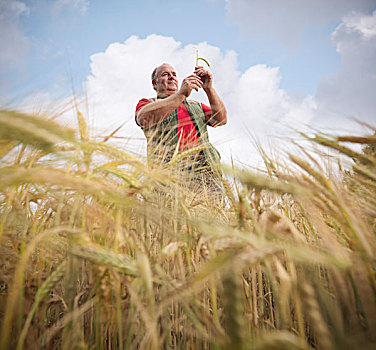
x,y
154,74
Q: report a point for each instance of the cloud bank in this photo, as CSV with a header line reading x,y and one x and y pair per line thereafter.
x,y
351,91
256,104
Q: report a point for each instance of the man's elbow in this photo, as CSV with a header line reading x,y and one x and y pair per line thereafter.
x,y
140,119
223,120
218,119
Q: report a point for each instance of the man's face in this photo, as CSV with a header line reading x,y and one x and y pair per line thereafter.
x,y
166,82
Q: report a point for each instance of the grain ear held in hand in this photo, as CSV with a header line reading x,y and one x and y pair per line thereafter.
x,y
201,58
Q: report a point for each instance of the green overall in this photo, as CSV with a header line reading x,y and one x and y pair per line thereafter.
x,y
162,138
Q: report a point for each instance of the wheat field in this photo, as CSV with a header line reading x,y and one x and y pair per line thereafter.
x,y
99,251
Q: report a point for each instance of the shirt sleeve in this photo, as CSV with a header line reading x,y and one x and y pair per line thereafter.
x,y
142,103
207,112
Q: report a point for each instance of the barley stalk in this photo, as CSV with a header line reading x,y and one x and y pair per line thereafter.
x,y
47,285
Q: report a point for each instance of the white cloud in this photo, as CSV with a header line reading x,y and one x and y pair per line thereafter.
x,y
256,104
121,76
43,104
351,91
14,44
364,25
285,21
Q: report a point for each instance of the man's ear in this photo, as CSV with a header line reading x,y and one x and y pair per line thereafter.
x,y
154,85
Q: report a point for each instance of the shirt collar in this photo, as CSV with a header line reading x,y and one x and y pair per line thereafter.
x,y
162,95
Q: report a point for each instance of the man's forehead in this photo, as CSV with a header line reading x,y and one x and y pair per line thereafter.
x,y
166,68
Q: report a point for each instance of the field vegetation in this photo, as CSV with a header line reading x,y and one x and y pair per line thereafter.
x,y
98,251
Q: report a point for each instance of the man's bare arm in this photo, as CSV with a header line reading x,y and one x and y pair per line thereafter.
x,y
218,109
155,112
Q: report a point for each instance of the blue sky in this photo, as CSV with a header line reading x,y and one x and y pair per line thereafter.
x,y
300,61
62,39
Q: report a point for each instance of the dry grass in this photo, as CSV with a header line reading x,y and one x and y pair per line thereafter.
x,y
100,252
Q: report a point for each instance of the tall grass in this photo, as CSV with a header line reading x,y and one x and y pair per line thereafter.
x,y
100,252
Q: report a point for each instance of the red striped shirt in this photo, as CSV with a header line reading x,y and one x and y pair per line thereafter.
x,y
187,133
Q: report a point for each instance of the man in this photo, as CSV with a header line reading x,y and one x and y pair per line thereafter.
x,y
172,124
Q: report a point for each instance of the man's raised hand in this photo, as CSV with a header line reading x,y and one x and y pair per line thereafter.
x,y
205,76
189,83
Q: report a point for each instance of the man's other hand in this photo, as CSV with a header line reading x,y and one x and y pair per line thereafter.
x,y
189,83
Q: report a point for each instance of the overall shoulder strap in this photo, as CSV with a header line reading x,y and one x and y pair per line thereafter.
x,y
198,117
197,114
